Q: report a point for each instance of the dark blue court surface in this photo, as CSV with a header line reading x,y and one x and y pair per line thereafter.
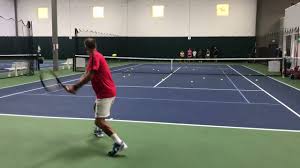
x,y
221,100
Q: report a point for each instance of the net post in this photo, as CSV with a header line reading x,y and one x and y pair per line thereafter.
x,y
171,65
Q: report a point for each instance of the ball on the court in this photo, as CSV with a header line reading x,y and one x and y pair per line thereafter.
x,y
256,80
124,76
203,78
114,55
221,79
192,81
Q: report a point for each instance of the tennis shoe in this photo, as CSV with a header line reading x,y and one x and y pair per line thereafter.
x,y
117,148
98,132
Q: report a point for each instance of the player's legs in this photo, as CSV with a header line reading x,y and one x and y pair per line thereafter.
x,y
106,128
102,111
98,132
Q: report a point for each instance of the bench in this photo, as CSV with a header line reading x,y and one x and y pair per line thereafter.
x,y
68,63
15,67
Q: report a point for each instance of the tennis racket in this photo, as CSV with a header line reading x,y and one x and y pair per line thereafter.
x,y
51,82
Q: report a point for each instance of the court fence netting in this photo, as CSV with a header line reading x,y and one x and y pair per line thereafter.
x,y
196,66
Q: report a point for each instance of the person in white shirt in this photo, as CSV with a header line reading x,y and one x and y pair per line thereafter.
x,y
194,54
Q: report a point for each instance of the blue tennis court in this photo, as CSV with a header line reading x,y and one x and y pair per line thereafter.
x,y
200,83
178,98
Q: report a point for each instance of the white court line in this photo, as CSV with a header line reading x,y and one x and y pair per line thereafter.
x,y
126,67
58,95
201,68
36,81
17,93
158,99
235,87
290,109
164,79
156,123
207,89
272,78
76,73
51,92
25,91
181,88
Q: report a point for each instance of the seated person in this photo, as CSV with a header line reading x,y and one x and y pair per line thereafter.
x,y
189,53
293,73
181,55
194,53
296,75
207,53
199,54
215,52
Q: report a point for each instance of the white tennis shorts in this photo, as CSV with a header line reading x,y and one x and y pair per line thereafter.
x,y
103,106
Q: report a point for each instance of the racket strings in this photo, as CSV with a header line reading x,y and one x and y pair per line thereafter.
x,y
50,82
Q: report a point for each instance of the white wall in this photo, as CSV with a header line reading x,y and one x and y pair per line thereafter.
x,y
7,28
76,14
27,10
291,20
174,23
203,18
292,16
240,22
133,17
114,21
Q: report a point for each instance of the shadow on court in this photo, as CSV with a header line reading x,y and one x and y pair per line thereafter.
x,y
95,148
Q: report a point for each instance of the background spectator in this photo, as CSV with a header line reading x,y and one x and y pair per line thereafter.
x,y
199,54
194,53
189,53
181,55
215,52
207,55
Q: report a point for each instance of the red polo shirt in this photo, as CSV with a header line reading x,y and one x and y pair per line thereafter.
x,y
102,81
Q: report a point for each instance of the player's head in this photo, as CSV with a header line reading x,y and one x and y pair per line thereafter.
x,y
90,44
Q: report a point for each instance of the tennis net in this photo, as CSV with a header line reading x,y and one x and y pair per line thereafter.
x,y
17,65
197,66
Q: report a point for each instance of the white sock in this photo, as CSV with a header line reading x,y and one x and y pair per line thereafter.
x,y
116,138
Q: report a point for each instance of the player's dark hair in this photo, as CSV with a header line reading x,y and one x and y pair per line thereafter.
x,y
90,43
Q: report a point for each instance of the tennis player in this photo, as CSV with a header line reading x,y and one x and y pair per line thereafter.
x,y
99,74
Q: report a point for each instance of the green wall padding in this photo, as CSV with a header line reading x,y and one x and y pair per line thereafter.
x,y
168,47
